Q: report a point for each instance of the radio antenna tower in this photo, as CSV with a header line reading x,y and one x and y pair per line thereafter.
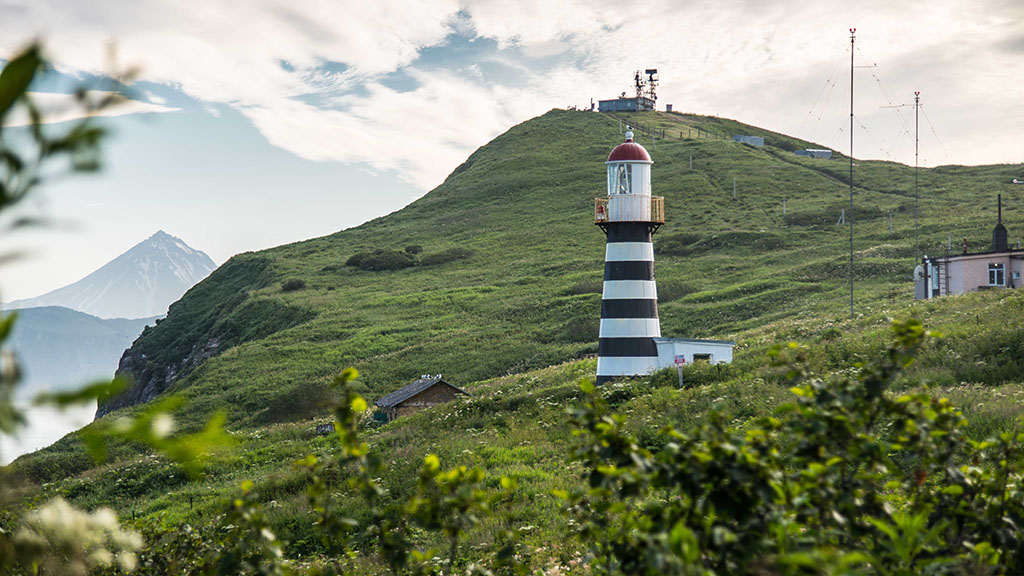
x,y
639,81
652,83
917,143
853,34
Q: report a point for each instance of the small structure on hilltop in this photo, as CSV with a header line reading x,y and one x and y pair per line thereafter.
x,y
426,391
752,140
645,99
814,153
1000,267
672,351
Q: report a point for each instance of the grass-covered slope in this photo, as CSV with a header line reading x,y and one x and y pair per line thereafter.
x,y
505,300
523,290
517,426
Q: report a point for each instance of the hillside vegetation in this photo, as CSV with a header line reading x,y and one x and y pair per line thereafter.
x,y
494,280
525,292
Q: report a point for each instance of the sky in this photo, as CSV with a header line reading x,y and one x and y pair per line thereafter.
x,y
255,123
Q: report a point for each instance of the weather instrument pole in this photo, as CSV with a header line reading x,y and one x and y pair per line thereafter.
x,y
917,145
853,34
917,141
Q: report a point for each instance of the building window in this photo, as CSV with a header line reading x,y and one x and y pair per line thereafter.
x,y
702,357
996,275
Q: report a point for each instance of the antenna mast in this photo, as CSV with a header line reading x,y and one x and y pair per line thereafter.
x,y
652,83
639,81
853,34
917,140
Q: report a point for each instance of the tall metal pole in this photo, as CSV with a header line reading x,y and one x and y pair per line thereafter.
x,y
917,103
853,32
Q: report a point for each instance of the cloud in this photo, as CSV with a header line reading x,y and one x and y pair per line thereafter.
x,y
312,76
56,108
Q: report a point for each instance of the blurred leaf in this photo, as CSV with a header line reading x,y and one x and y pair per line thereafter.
x,y
16,77
192,451
99,389
7,324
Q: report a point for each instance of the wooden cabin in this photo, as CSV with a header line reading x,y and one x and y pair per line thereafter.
x,y
425,391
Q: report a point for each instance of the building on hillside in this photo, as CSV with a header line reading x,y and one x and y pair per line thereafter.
x,y
424,392
671,350
814,153
752,140
646,95
999,267
623,104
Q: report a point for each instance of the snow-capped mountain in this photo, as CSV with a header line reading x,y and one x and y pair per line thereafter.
x,y
140,283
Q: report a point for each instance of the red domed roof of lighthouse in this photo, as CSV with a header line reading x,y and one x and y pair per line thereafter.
x,y
629,151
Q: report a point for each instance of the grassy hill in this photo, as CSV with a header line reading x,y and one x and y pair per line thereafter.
x,y
504,299
525,292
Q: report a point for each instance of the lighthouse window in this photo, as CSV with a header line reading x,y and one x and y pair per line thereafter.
x,y
623,175
996,275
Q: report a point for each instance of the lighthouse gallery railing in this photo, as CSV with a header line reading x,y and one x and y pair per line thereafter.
x,y
629,208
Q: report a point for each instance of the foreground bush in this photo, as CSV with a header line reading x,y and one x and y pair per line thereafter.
x,y
847,479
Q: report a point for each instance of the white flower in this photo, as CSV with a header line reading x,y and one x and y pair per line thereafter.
x,y
163,425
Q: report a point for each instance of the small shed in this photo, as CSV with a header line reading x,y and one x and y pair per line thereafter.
x,y
814,153
425,391
752,140
711,351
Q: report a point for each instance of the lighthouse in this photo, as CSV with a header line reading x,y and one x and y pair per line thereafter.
x,y
629,216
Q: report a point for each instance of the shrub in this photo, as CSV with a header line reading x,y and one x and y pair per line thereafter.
x,y
449,255
293,284
381,260
301,402
413,249
849,478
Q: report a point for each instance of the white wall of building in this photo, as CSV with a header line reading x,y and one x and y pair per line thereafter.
x,y
669,348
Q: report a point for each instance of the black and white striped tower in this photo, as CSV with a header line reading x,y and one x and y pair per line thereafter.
x,y
629,216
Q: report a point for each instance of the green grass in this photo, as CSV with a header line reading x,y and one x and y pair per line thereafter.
x,y
514,317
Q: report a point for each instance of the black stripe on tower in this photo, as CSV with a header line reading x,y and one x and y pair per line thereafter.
x,y
629,270
632,347
629,231
629,308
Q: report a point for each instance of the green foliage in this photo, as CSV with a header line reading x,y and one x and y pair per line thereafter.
x,y
293,284
446,501
449,255
380,260
154,427
727,267
849,478
413,249
55,537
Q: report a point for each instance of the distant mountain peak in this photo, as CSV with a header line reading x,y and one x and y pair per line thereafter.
x,y
141,282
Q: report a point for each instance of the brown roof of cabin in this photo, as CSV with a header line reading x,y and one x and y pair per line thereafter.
x,y
403,394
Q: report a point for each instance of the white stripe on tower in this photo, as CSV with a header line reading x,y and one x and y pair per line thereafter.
x,y
627,327
625,251
629,289
611,367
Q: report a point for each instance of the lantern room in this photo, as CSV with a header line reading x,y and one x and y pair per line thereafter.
x,y
629,188
629,169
